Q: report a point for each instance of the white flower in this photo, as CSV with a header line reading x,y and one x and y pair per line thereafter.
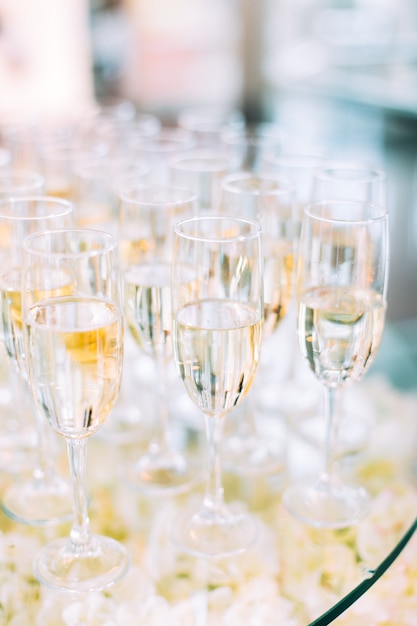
x,y
290,565
19,592
391,513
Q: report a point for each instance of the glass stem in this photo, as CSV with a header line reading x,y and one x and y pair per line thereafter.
x,y
77,455
44,468
214,495
44,471
247,425
159,441
329,415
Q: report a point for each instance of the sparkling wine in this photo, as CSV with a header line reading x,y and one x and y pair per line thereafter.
x,y
11,312
60,190
11,307
94,213
278,278
147,298
75,361
217,347
133,251
340,330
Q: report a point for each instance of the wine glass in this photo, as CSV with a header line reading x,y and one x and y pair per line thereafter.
x,y
146,219
160,149
297,393
96,190
41,498
270,200
61,162
28,140
345,180
299,166
349,180
249,146
17,182
202,171
208,122
121,135
217,309
74,339
342,283
17,436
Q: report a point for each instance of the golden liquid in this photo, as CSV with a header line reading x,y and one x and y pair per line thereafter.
x,y
135,251
217,348
75,361
340,330
278,284
62,191
11,307
147,302
90,214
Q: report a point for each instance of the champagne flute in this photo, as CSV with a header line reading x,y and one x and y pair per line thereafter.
x,y
249,146
96,190
17,182
17,436
269,200
160,149
202,171
298,166
61,162
342,284
217,309
208,123
74,342
345,180
28,140
41,498
121,135
298,394
349,180
147,216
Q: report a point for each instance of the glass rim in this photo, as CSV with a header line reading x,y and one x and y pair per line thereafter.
x,y
27,177
297,160
188,196
142,122
94,234
167,140
256,228
234,139
210,117
365,172
100,169
379,213
12,172
237,177
212,160
67,207
64,153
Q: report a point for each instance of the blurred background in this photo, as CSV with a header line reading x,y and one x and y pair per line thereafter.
x,y
341,74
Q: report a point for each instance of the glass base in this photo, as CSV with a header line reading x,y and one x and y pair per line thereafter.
x,y
63,565
38,502
207,534
325,505
253,455
161,473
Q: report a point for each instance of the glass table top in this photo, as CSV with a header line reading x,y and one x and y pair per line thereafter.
x,y
293,575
